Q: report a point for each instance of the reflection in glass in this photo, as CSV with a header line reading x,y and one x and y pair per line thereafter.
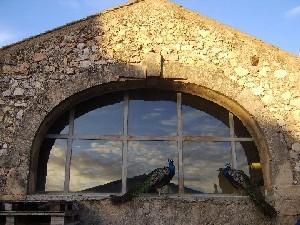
x,y
100,116
152,113
242,161
96,166
145,156
61,125
239,129
201,160
247,154
55,149
202,117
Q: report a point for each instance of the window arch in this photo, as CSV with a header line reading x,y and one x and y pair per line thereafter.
x,y
108,143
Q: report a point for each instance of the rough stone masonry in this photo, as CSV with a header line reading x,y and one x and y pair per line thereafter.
x,y
116,46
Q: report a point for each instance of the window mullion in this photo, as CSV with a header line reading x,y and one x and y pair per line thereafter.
x,y
125,143
69,151
180,143
233,149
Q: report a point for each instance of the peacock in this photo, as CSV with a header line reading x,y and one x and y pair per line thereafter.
x,y
153,182
240,180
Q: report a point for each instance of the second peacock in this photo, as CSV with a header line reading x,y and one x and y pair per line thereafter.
x,y
240,180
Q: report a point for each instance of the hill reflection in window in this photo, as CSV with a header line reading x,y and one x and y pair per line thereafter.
x,y
96,166
112,142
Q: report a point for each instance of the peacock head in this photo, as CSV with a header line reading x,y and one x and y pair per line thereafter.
x,y
226,167
171,162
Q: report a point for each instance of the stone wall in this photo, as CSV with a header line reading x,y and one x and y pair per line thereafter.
x,y
40,73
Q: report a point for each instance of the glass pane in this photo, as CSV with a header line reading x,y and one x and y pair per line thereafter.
x,y
145,156
239,129
100,116
96,166
202,117
201,160
61,125
51,169
247,156
152,113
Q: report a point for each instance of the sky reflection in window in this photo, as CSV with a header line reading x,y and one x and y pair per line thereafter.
x,y
152,113
100,116
56,164
96,166
200,162
202,117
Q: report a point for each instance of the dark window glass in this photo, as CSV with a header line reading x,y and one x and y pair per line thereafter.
x,y
100,116
249,161
239,129
202,117
61,125
51,172
96,166
201,160
145,156
152,113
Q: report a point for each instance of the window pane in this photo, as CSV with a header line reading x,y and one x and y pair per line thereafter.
x,y
51,172
239,129
145,156
100,116
201,160
152,113
247,156
202,117
61,125
96,166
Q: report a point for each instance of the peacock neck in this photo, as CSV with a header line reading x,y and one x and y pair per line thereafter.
x,y
171,170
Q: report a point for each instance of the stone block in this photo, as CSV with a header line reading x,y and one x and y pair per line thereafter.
x,y
57,220
10,220
18,92
279,74
37,57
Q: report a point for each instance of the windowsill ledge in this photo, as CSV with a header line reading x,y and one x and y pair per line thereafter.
x,y
95,196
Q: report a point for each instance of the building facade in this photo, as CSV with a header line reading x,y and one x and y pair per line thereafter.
x,y
152,52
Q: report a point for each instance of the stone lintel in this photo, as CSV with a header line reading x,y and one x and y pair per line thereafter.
x,y
153,64
134,71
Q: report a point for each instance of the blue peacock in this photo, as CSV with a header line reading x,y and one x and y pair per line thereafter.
x,y
240,180
152,182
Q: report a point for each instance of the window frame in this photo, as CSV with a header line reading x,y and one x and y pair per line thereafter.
x,y
125,138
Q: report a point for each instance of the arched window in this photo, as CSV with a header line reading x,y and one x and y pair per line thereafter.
x,y
108,143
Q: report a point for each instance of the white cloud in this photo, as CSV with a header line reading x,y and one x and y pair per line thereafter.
x,y
293,12
6,37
